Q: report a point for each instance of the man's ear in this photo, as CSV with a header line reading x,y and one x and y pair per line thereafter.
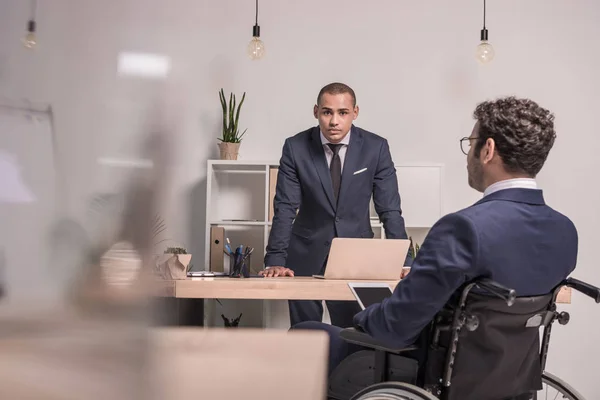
x,y
315,110
489,149
355,112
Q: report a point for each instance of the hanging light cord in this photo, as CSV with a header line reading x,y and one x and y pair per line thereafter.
x,y
256,22
33,9
483,13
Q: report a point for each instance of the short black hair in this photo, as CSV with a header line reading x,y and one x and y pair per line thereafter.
x,y
522,131
337,88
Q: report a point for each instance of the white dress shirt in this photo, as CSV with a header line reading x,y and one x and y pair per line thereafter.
x,y
521,183
342,153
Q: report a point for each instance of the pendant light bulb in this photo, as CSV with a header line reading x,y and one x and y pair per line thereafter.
x,y
484,53
256,47
30,39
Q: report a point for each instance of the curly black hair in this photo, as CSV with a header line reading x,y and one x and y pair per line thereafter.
x,y
522,131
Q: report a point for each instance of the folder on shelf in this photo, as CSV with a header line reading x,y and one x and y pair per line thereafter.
x,y
217,242
272,188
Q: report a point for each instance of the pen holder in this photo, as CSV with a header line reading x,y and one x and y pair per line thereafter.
x,y
239,267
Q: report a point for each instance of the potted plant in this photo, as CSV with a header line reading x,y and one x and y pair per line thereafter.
x,y
230,141
413,248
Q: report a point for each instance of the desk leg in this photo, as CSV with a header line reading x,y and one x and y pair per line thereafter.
x,y
276,314
266,316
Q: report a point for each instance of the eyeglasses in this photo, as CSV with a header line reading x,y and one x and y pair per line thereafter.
x,y
462,145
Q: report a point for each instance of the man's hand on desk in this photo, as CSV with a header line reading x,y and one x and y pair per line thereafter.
x,y
270,272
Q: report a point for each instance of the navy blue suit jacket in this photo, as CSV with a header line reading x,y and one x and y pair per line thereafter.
x,y
301,242
510,236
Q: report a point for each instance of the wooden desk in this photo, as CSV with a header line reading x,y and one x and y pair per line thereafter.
x,y
288,288
274,313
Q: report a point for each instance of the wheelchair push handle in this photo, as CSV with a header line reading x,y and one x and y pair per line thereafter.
x,y
584,288
506,294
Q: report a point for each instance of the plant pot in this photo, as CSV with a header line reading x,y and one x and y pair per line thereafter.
x,y
173,266
229,151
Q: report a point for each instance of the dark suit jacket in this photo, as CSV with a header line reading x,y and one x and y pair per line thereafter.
x,y
301,242
510,236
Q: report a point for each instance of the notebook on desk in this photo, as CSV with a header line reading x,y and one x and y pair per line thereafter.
x,y
368,259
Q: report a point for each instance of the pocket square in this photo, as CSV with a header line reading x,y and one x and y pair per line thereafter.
x,y
359,171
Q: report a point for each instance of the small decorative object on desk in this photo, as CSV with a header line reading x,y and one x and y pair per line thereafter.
x,y
231,140
174,263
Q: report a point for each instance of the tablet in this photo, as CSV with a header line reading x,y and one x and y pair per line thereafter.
x,y
367,293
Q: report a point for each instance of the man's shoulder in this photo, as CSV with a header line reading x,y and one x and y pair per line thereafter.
x,y
561,218
481,212
461,217
302,136
369,136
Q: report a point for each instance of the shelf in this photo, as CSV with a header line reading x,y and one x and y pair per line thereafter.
x,y
239,162
239,171
236,193
240,195
238,223
239,168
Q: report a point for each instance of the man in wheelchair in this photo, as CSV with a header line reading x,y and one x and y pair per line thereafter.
x,y
509,242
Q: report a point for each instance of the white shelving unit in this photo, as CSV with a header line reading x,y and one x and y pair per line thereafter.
x,y
239,197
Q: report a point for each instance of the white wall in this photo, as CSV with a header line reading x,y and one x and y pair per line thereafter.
x,y
411,63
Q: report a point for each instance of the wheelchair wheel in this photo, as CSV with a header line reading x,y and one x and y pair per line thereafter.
x,y
556,388
393,391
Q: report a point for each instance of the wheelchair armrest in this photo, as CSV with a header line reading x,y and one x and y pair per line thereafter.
x,y
584,288
351,335
506,294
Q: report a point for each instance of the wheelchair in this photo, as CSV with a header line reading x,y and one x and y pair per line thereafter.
x,y
484,345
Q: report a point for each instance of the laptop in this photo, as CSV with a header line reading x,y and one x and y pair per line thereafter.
x,y
367,293
369,259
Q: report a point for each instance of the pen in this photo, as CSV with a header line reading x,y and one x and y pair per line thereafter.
x,y
238,258
228,246
249,251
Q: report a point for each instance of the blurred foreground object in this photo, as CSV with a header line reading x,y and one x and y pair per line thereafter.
x,y
93,344
12,189
228,364
69,356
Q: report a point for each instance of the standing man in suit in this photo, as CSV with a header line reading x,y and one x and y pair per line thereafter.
x,y
510,236
329,174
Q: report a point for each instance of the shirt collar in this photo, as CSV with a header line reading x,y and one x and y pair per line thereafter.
x,y
521,183
345,140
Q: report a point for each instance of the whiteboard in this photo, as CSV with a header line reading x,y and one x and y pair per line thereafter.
x,y
27,202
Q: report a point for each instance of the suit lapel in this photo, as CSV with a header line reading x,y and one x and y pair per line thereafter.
x,y
351,161
318,155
